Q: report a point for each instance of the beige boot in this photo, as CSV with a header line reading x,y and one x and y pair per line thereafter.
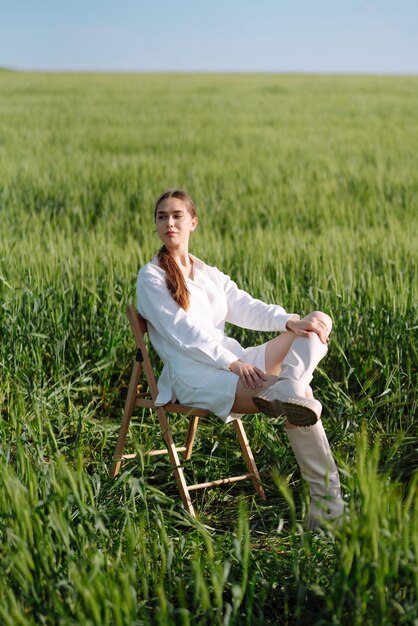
x,y
287,396
317,466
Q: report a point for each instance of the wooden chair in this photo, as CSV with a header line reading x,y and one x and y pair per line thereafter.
x,y
135,398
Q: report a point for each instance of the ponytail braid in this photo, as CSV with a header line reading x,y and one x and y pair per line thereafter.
x,y
174,279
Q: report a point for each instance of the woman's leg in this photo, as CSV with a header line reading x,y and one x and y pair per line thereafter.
x,y
296,369
309,444
276,350
317,466
312,451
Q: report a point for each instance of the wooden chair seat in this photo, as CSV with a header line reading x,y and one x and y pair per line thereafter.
x,y
137,398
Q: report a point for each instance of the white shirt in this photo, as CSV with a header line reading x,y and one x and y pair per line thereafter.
x,y
192,343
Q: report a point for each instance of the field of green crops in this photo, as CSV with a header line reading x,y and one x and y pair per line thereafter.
x,y
307,193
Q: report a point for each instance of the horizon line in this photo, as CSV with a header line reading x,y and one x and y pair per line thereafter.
x,y
206,71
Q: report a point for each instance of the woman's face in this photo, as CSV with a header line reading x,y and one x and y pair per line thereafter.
x,y
174,223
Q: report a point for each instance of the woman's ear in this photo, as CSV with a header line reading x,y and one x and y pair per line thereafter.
x,y
195,222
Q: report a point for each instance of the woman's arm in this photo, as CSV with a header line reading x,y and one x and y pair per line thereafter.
x,y
156,305
248,312
251,313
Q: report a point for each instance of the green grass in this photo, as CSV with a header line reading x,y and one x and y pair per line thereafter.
x,y
307,193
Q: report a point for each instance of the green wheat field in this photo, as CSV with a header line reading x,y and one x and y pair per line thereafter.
x,y
307,194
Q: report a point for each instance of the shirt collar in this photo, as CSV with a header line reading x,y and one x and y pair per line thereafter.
x,y
198,264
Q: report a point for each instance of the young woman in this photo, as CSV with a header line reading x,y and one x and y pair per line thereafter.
x,y
187,303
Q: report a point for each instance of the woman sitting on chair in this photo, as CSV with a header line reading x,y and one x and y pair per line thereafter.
x,y
187,303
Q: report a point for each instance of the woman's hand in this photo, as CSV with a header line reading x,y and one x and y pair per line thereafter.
x,y
302,328
250,375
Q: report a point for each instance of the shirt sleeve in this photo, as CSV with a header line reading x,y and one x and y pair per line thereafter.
x,y
156,305
248,312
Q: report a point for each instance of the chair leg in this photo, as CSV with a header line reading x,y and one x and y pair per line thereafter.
x,y
127,414
191,434
248,456
175,461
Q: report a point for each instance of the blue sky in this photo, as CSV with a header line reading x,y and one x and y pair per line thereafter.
x,y
211,35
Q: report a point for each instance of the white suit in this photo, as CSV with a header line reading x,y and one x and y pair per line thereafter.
x,y
192,345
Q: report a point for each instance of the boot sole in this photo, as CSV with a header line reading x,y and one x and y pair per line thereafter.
x,y
297,414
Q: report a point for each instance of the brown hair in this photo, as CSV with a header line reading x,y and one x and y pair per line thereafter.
x,y
173,275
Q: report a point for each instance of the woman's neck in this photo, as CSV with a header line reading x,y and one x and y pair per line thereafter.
x,y
183,260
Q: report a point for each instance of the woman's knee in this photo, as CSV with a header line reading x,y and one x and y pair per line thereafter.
x,y
322,317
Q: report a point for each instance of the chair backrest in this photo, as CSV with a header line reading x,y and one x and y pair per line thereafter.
x,y
139,329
